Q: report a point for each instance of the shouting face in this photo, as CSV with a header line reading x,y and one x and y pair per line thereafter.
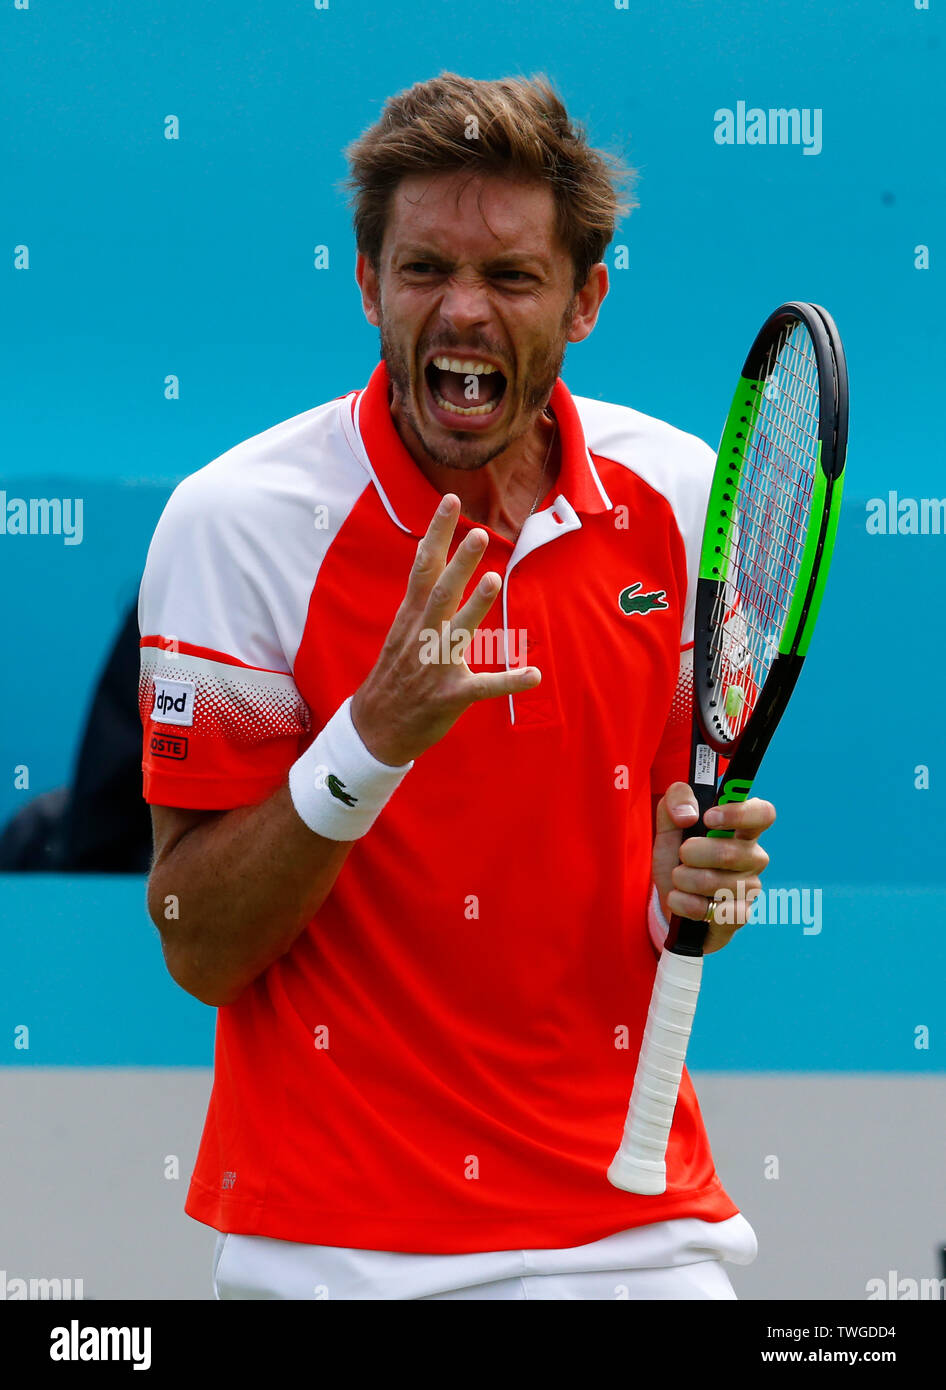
x,y
474,297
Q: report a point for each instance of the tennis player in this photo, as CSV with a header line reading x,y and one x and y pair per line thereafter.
x,y
416,707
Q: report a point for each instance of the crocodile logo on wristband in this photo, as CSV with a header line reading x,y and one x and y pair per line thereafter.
x,y
337,789
371,783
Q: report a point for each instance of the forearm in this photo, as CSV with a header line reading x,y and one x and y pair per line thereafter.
x,y
232,894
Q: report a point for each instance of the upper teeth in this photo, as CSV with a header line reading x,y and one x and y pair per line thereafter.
x,y
468,367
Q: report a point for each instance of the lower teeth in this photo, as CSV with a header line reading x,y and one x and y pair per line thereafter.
x,y
463,409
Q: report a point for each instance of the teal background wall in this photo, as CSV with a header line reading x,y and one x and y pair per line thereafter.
x,y
194,257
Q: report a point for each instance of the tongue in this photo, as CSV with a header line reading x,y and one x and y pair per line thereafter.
x,y
453,387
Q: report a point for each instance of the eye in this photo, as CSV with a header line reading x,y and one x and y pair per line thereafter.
x,y
506,274
420,267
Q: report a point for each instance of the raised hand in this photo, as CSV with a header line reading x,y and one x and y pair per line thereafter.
x,y
406,703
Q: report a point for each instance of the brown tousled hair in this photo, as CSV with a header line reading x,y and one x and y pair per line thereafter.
x,y
522,131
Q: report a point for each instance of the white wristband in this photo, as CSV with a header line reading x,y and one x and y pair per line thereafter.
x,y
337,787
657,924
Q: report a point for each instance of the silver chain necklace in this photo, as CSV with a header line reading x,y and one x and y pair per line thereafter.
x,y
548,455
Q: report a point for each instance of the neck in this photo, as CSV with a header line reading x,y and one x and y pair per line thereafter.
x,y
505,491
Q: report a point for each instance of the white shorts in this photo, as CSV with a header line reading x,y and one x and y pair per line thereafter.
x,y
671,1260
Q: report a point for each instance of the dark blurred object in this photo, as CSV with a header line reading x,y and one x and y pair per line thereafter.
x,y
32,840
101,824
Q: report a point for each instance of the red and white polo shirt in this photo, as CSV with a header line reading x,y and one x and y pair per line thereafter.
x,y
442,1061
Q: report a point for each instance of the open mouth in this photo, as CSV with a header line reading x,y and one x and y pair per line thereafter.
x,y
467,388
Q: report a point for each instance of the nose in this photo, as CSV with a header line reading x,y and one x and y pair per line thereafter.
x,y
465,302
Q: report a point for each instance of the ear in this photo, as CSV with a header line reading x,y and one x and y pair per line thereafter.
x,y
367,277
588,302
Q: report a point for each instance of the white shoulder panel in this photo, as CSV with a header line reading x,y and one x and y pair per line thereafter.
x,y
238,547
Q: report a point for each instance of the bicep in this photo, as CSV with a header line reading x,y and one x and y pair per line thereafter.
x,y
169,825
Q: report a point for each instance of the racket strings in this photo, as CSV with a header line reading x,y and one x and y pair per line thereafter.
x,y
764,545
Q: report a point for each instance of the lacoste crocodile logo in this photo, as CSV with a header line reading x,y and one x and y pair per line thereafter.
x,y
633,602
337,789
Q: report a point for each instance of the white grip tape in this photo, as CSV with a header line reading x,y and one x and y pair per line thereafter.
x,y
639,1164
337,787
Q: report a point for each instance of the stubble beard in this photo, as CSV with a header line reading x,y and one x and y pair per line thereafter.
x,y
468,452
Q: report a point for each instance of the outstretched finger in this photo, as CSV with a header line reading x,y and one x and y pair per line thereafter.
x,y
445,595
479,603
488,685
432,552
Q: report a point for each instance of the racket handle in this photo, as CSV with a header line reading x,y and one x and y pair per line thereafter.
x,y
639,1164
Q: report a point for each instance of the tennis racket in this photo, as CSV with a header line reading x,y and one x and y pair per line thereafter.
x,y
770,529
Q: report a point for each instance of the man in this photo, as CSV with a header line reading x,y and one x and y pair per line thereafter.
x,y
409,856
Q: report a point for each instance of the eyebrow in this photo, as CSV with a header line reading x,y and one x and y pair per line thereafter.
x,y
506,259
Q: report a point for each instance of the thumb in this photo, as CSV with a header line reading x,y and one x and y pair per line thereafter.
x,y
677,809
